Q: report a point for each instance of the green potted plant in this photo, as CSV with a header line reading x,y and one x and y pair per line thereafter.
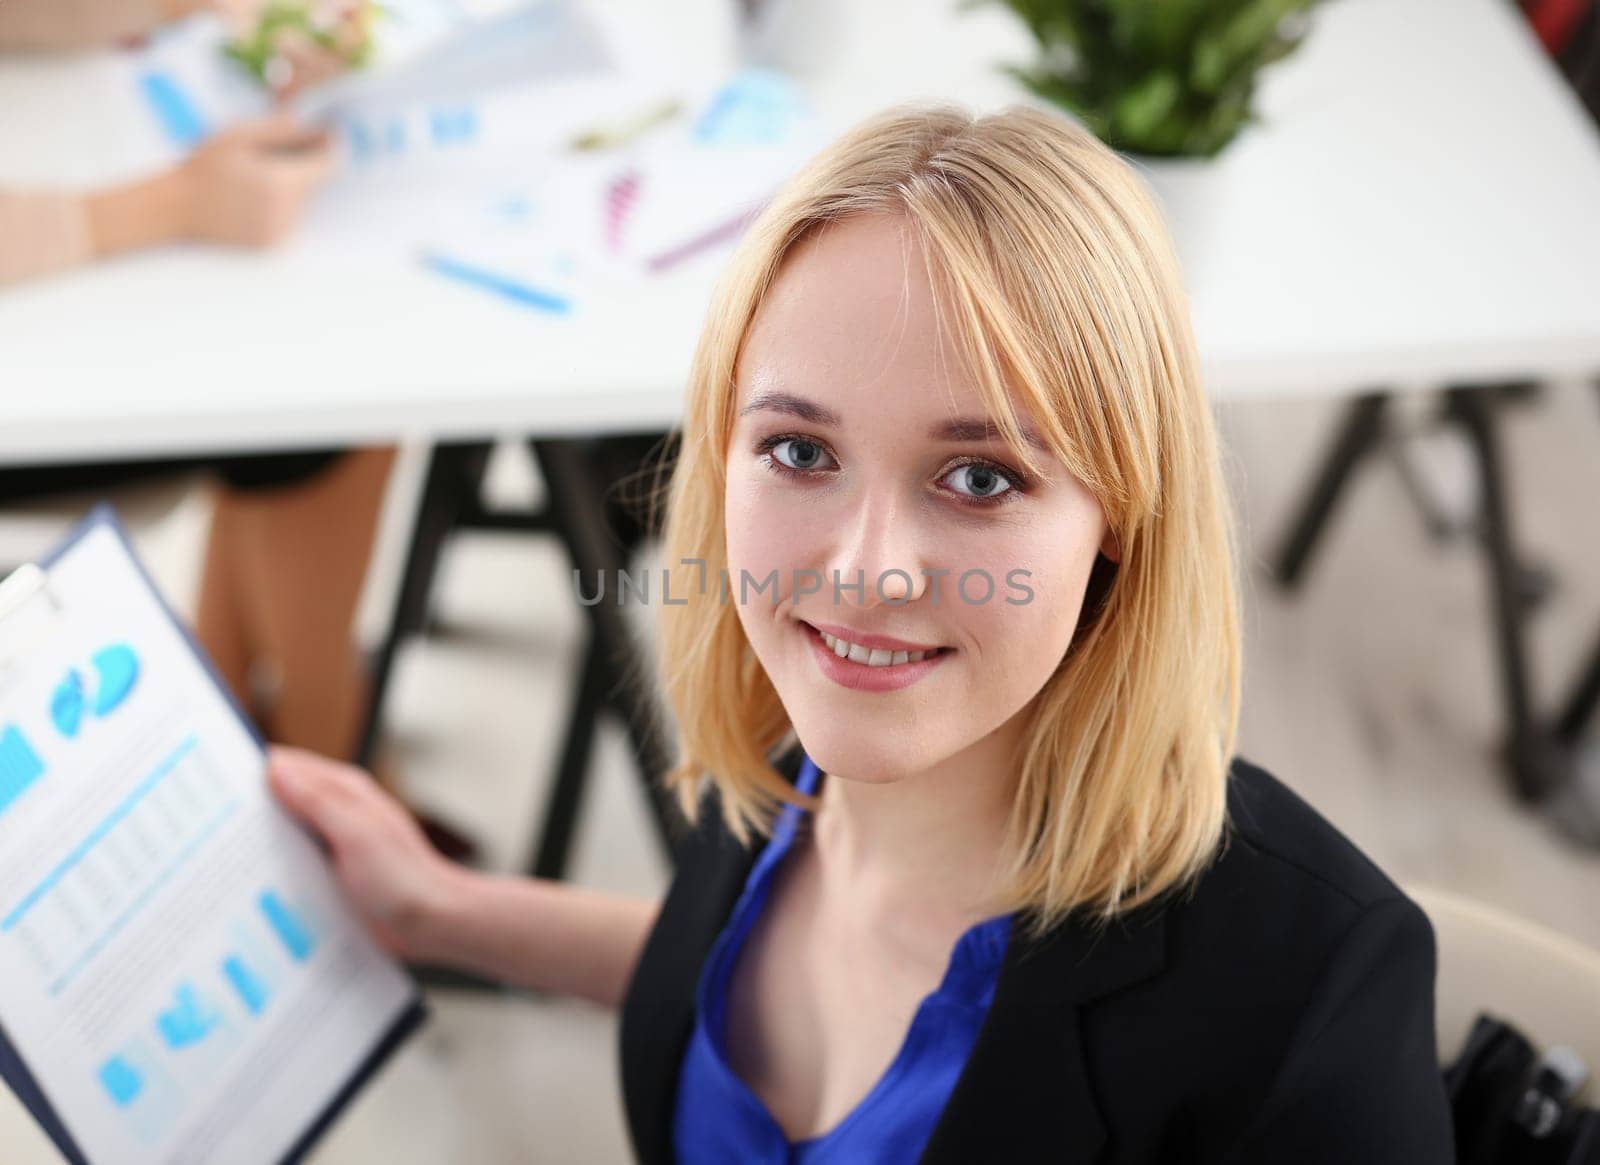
x,y
1160,78
1168,83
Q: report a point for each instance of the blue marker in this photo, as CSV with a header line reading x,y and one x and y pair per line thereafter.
x,y
523,293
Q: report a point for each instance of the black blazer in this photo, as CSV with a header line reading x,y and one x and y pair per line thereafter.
x,y
1282,1013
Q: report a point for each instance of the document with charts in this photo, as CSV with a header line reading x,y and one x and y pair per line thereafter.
x,y
180,980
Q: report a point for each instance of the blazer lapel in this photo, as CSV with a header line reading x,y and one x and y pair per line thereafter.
x,y
1026,1083
658,1013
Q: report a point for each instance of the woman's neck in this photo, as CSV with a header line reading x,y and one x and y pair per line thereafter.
x,y
930,843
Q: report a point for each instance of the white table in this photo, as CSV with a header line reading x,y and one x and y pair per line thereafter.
x,y
1416,208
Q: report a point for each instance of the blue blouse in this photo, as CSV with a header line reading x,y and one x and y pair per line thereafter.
x,y
717,1118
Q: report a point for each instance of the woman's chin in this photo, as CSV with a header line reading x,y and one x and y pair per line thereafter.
x,y
851,758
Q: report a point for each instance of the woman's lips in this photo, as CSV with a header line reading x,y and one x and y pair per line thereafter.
x,y
864,677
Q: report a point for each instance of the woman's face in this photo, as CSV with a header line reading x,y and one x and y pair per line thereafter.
x,y
861,452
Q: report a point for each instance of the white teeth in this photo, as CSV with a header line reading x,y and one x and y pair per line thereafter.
x,y
873,657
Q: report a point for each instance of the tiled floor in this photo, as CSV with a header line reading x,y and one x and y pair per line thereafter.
x,y
1372,692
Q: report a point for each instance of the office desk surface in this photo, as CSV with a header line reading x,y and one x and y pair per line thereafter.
x,y
1417,206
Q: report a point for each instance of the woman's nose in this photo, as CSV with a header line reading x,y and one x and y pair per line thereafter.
x,y
878,560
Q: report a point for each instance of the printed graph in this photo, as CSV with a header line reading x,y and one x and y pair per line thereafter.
x,y
69,915
20,766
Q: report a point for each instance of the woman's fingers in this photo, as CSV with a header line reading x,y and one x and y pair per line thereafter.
x,y
282,141
306,64
326,795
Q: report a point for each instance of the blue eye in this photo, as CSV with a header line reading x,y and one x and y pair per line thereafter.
x,y
797,453
982,481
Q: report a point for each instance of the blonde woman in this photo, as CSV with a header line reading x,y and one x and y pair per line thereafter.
x,y
954,657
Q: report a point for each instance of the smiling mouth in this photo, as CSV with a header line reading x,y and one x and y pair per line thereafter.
x,y
876,657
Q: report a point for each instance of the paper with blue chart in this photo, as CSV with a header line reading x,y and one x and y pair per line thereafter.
x,y
460,156
179,979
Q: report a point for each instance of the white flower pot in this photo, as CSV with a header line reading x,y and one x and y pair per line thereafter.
x,y
1192,193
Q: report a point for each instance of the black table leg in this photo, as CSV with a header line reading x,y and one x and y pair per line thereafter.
x,y
578,490
454,475
1537,762
1579,709
565,799
1359,434
1538,755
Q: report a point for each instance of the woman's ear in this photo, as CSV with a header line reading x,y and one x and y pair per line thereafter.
x,y
1110,547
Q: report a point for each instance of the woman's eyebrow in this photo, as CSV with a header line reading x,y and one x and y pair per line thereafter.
x,y
795,406
963,429
979,429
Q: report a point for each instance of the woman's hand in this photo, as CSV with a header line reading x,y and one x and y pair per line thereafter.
x,y
398,883
295,45
249,185
527,932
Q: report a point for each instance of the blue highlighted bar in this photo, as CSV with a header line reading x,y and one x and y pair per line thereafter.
x,y
187,1021
290,928
452,125
121,1080
251,990
20,766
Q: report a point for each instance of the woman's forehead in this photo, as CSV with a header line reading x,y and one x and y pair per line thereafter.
x,y
852,313
853,334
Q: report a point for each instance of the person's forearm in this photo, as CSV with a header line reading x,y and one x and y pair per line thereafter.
x,y
64,25
538,934
141,214
42,233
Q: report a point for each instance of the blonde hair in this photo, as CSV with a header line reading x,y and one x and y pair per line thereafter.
x,y
1055,267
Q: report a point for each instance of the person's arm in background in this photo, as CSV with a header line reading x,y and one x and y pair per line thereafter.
x,y
64,25
245,187
526,932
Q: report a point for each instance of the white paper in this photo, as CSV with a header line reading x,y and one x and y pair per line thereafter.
x,y
177,968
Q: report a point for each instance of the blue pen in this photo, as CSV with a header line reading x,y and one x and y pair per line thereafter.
x,y
523,293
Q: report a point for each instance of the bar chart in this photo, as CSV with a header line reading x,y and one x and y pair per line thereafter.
x,y
119,864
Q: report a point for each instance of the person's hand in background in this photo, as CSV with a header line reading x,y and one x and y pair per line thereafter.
x,y
249,185
246,186
293,45
397,882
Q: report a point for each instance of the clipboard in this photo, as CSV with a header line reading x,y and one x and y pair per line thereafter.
x,y
28,594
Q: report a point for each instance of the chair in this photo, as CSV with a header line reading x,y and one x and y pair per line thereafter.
x,y
1542,982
